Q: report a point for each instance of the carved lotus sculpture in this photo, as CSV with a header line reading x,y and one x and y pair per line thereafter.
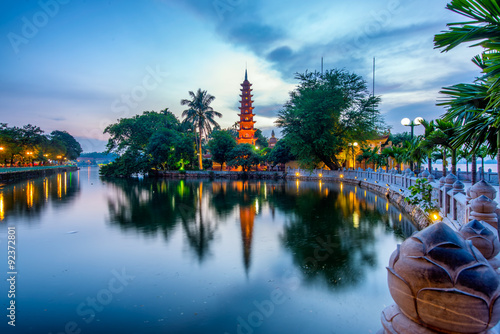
x,y
440,280
482,238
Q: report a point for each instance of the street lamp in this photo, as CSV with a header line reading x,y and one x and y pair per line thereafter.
x,y
416,122
352,145
29,154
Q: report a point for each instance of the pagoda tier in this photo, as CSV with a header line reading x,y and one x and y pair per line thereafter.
x,y
246,132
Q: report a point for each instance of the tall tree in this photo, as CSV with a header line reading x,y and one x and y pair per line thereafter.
x,y
220,145
201,115
71,146
325,113
484,95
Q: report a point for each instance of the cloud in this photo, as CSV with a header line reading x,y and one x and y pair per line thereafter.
x,y
280,54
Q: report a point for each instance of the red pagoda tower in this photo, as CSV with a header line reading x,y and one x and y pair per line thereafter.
x,y
246,131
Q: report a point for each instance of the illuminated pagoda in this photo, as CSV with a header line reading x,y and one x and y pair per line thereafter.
x,y
246,133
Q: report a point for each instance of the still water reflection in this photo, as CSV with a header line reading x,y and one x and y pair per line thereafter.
x,y
147,256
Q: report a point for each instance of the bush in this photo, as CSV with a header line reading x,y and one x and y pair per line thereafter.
x,y
421,195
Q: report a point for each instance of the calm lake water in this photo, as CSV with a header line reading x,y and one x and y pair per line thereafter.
x,y
162,256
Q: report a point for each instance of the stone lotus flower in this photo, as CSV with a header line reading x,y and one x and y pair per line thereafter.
x,y
441,281
482,238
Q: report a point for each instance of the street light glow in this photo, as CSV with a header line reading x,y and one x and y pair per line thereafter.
x,y
405,121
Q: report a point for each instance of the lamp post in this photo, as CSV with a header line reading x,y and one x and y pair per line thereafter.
x,y
352,145
407,122
29,154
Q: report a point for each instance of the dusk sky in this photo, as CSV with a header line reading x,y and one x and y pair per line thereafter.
x,y
80,65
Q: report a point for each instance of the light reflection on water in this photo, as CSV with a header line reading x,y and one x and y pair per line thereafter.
x,y
208,257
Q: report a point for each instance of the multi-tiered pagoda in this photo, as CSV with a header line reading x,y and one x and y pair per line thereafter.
x,y
246,131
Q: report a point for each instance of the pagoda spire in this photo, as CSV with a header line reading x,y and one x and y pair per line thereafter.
x,y
246,132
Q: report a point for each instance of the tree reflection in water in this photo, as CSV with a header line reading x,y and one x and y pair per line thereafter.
x,y
331,233
330,229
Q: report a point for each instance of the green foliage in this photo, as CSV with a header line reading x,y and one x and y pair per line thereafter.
x,y
243,156
398,139
136,131
149,141
280,153
71,146
131,162
220,145
17,142
421,195
261,141
325,112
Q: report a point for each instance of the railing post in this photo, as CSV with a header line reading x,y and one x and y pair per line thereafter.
x,y
458,187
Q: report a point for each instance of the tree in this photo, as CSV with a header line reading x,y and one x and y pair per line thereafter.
x,y
484,31
481,99
71,146
161,148
243,156
139,139
325,112
220,145
134,133
280,153
442,136
395,152
201,115
261,141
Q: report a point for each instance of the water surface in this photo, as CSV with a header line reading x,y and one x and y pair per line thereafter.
x,y
182,256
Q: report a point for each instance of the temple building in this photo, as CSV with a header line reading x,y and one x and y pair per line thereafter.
x,y
246,132
272,141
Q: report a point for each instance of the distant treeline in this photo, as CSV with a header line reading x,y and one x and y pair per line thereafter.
x,y
30,144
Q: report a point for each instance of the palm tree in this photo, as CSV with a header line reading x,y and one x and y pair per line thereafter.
x,y
484,30
427,146
484,95
201,115
396,153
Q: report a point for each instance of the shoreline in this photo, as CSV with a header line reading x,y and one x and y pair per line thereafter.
x,y
9,177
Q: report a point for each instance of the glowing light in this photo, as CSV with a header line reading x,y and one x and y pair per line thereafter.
x,y
435,216
355,220
341,176
400,217
365,179
387,185
320,175
297,174
387,206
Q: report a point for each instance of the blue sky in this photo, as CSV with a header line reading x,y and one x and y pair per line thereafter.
x,y
80,65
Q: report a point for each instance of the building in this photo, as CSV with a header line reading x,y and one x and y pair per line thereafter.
x,y
246,132
272,141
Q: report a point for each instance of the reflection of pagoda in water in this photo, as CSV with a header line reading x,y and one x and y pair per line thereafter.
x,y
247,217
